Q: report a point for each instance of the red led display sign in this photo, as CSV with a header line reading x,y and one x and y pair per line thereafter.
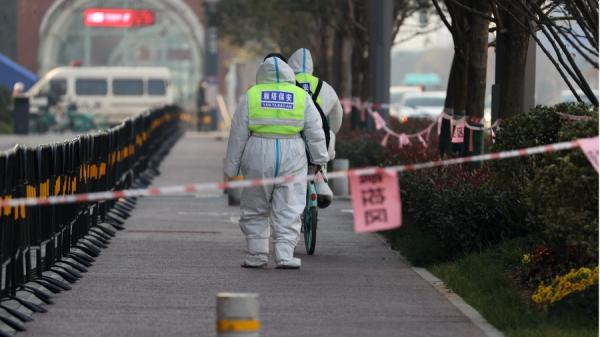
x,y
117,17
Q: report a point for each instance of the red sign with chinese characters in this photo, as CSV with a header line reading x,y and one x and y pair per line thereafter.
x,y
376,201
117,17
458,135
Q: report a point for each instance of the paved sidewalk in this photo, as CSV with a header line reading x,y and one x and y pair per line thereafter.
x,y
159,277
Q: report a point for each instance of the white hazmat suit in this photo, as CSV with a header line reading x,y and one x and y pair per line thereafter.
x,y
257,156
301,62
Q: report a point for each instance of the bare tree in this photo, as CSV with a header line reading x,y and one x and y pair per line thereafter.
x,y
468,22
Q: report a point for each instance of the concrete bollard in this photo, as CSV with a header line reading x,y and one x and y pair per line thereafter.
x,y
339,186
237,315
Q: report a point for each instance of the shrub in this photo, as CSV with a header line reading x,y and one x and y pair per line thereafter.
x,y
448,212
556,194
452,210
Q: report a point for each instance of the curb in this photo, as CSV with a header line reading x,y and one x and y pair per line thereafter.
x,y
473,315
467,310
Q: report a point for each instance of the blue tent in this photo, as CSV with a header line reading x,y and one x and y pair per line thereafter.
x,y
12,72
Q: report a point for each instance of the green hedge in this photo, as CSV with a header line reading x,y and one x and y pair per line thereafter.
x,y
451,211
555,194
448,212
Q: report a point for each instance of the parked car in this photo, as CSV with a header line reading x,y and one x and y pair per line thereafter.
x,y
428,104
397,93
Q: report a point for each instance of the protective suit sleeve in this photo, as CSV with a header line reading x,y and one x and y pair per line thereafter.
x,y
238,137
313,134
335,111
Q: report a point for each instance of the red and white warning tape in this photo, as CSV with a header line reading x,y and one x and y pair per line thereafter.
x,y
194,188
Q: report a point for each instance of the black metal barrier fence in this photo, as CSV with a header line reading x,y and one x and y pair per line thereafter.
x,y
44,248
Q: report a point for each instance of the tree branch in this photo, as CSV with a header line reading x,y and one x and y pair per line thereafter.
x,y
566,32
443,17
532,33
353,17
498,19
471,10
415,34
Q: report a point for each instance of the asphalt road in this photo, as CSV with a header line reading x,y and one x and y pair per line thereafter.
x,y
160,276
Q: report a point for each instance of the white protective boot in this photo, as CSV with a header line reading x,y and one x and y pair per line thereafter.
x,y
284,256
258,253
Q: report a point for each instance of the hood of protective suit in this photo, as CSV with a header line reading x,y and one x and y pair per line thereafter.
x,y
274,70
301,61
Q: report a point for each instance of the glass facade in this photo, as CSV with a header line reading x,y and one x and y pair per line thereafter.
x,y
166,43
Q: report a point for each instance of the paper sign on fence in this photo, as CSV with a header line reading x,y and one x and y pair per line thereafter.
x,y
376,201
589,146
458,136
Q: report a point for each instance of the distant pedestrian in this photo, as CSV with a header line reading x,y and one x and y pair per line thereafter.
x,y
18,89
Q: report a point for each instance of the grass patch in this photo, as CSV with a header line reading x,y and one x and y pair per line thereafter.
x,y
483,281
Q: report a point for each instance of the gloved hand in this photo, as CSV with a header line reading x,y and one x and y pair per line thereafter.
x,y
323,174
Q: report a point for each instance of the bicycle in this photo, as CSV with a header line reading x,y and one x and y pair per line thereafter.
x,y
310,213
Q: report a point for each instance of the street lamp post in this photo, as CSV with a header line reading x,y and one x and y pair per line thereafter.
x,y
212,63
380,43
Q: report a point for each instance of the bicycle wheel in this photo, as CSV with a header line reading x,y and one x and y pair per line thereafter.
x,y
310,229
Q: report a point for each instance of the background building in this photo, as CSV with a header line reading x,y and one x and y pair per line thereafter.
x,y
43,34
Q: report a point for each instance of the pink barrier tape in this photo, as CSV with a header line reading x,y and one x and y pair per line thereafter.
x,y
422,136
194,188
347,103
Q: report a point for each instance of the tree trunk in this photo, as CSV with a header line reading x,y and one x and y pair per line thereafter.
x,y
359,85
460,64
336,61
446,128
329,51
476,72
325,55
346,76
460,89
511,50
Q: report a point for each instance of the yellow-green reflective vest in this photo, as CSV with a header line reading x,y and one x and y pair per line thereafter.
x,y
309,83
276,108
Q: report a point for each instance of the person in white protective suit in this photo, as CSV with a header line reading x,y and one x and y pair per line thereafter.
x,y
274,126
326,98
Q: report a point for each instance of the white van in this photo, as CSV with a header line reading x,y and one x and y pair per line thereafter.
x,y
110,94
